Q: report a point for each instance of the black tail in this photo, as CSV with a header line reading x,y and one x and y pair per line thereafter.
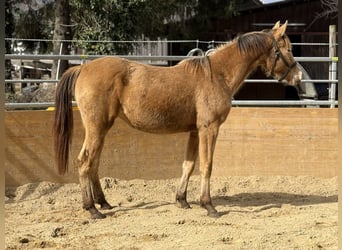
x,y
63,123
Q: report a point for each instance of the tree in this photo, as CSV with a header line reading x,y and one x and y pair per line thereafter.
x,y
27,19
207,14
120,20
329,9
62,32
32,19
103,21
9,29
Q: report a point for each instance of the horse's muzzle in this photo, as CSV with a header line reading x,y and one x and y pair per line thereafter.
x,y
296,78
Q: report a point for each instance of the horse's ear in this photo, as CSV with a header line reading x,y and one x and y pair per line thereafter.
x,y
280,32
276,26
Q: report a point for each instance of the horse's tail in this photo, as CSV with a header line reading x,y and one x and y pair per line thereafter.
x,y
63,123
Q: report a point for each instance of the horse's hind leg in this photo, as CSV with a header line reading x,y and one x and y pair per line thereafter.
x,y
188,167
99,197
98,194
89,159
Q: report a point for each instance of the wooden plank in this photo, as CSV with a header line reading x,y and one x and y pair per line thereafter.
x,y
253,141
280,141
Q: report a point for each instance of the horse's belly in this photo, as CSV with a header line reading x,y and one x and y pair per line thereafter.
x,y
160,121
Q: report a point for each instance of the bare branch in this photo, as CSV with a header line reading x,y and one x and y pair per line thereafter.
x,y
329,9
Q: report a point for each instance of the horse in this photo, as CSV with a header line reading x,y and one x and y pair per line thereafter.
x,y
192,96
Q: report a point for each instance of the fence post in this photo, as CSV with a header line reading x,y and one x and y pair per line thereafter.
x,y
59,61
332,64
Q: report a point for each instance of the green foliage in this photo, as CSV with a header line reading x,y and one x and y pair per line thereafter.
x,y
120,20
104,20
9,24
28,20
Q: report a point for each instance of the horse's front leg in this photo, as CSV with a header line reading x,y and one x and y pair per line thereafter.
x,y
207,141
188,167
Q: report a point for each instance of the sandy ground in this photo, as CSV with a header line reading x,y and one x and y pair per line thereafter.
x,y
256,213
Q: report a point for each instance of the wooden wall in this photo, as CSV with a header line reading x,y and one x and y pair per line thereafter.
x,y
253,141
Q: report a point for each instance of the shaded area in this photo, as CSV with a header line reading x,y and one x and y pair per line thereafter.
x,y
267,198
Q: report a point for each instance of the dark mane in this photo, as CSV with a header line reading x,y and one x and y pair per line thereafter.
x,y
254,42
195,65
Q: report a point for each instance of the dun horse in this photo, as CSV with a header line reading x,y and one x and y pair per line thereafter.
x,y
193,96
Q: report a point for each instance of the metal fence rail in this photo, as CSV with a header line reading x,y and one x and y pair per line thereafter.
x,y
137,58
331,102
236,103
246,81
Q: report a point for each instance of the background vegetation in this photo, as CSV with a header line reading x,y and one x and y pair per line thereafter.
x,y
117,20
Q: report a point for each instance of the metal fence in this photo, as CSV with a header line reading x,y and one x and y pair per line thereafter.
x,y
332,79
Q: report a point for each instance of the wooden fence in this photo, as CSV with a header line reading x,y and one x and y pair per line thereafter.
x,y
253,141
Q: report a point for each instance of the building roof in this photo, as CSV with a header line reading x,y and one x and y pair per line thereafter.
x,y
246,5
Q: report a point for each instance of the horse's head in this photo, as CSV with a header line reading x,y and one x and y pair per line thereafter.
x,y
280,63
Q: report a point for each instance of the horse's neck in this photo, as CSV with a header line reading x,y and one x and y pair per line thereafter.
x,y
234,67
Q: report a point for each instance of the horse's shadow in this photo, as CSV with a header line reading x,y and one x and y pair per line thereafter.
x,y
259,201
256,199
141,205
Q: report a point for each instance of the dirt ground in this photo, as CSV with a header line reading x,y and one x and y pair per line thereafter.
x,y
256,213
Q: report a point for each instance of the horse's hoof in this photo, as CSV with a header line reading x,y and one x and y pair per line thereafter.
x,y
106,206
97,216
183,204
214,214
